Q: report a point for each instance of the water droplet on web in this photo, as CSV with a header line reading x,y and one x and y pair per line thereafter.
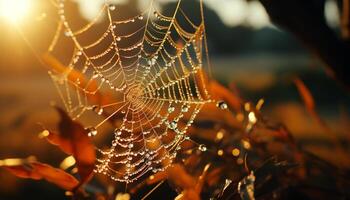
x,y
68,33
222,105
84,69
172,125
131,145
118,39
184,109
91,131
140,17
100,111
171,109
112,7
118,132
95,75
202,148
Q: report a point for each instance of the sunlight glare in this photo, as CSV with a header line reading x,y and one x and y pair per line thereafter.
x,y
14,10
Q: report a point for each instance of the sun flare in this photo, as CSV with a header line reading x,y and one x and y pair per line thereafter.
x,y
14,10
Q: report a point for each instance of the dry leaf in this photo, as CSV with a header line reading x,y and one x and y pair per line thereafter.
x,y
177,175
26,168
83,150
305,94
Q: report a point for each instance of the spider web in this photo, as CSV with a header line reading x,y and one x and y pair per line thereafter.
x,y
151,64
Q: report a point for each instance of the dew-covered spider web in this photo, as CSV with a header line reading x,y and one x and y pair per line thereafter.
x,y
142,76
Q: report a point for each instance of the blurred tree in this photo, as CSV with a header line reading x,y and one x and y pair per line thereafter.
x,y
306,20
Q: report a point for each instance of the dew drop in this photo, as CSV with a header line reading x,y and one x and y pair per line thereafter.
x,y
131,145
119,133
222,105
68,33
202,148
184,109
112,7
91,131
171,109
118,39
100,111
140,17
95,75
85,69
173,125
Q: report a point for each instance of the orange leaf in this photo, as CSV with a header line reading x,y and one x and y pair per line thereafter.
x,y
26,168
305,94
62,143
177,174
74,75
74,137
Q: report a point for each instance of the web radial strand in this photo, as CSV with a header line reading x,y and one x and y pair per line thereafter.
x,y
150,65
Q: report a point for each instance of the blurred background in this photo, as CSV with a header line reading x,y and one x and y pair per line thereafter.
x,y
247,53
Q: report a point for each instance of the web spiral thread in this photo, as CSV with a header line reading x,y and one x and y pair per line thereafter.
x,y
154,72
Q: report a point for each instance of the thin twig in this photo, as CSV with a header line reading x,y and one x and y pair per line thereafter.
x,y
150,192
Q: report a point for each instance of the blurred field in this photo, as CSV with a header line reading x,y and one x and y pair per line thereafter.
x,y
25,103
25,97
